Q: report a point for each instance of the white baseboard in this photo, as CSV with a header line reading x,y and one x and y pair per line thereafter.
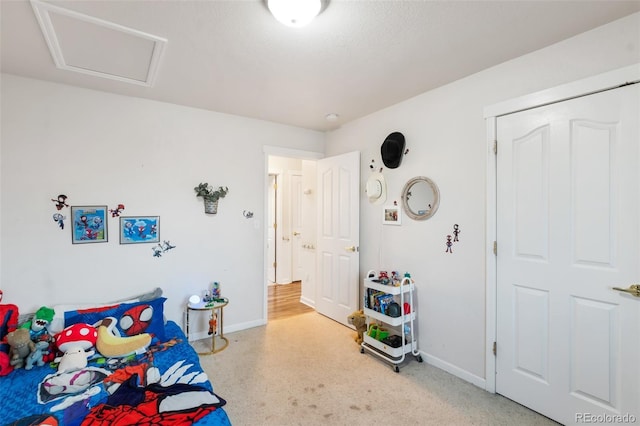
x,y
245,325
456,371
236,327
308,302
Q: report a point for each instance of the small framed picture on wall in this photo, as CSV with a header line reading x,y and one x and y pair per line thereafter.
x,y
139,229
391,215
89,224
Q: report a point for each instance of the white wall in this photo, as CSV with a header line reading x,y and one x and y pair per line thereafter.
x,y
104,149
445,132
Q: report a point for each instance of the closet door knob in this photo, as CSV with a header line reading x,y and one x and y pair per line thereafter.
x,y
634,290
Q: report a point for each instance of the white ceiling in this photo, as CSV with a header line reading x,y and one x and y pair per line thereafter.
x,y
357,57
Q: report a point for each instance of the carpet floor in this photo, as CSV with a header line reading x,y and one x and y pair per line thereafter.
x,y
307,370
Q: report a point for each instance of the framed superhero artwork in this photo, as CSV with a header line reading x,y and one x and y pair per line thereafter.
x,y
89,224
139,229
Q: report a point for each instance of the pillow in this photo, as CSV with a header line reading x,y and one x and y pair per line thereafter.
x,y
57,324
133,318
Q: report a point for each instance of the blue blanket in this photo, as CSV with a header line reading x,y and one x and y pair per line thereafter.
x,y
37,392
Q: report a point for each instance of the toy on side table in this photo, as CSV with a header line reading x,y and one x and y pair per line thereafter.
x,y
357,319
213,323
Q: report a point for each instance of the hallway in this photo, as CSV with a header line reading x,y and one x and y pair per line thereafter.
x,y
284,301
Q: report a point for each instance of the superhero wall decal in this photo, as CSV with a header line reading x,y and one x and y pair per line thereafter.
x,y
452,239
89,225
60,203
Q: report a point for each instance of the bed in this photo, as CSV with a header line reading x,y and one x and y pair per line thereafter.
x,y
162,384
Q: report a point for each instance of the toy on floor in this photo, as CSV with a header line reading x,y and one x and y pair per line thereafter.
x,y
357,319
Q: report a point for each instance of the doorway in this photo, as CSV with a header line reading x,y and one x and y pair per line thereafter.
x,y
329,206
290,235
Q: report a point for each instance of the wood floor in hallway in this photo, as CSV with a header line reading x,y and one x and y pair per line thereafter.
x,y
284,301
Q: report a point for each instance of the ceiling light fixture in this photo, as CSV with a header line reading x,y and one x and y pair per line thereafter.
x,y
295,13
331,116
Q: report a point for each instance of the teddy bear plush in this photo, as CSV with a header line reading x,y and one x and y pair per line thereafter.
x,y
358,320
21,346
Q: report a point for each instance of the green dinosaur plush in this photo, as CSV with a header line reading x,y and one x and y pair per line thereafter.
x,y
38,325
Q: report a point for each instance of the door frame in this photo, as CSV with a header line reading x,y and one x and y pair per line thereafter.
x,y
279,152
587,86
272,213
295,193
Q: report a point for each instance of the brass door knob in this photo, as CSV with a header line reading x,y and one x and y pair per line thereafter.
x,y
634,290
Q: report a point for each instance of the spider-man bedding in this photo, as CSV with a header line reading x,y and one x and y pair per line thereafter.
x,y
164,385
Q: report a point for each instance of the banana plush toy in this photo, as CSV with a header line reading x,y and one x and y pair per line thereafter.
x,y
109,344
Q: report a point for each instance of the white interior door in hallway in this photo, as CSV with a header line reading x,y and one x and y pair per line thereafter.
x,y
271,229
567,232
297,224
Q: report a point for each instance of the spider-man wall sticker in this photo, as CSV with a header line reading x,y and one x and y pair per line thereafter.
x,y
59,219
116,212
60,201
449,244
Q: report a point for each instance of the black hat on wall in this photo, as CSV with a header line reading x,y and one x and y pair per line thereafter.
x,y
392,149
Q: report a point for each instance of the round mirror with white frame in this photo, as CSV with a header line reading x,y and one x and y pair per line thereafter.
x,y
420,198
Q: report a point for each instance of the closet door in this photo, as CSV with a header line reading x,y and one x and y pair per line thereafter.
x,y
567,210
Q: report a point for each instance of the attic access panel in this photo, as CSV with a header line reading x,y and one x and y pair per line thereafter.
x,y
92,46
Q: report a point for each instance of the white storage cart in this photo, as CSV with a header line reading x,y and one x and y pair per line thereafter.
x,y
401,328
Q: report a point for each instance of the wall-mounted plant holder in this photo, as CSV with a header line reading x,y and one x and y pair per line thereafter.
x,y
210,196
211,207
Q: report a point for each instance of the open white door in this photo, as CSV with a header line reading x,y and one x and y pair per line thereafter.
x,y
338,258
568,191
